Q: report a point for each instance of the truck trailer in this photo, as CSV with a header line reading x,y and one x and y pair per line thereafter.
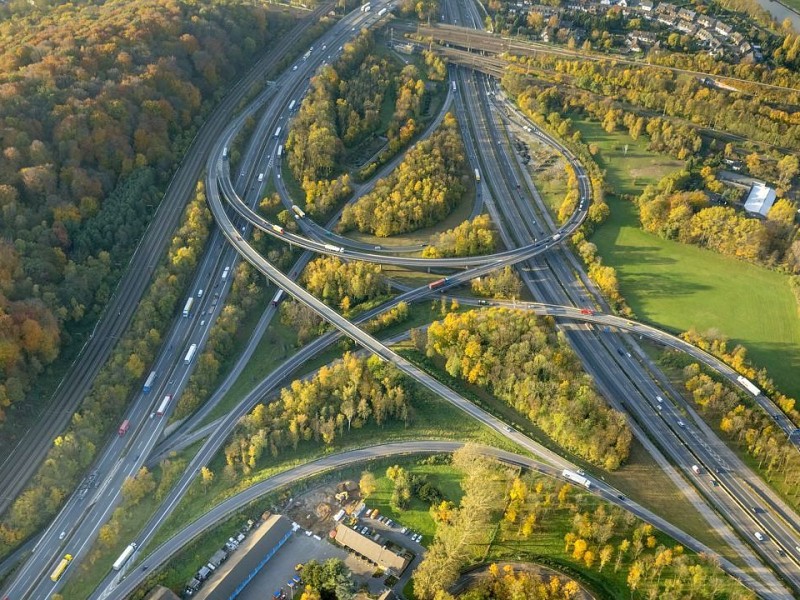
x,y
187,308
576,478
123,558
148,384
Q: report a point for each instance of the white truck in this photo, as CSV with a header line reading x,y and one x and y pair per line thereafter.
x,y
123,558
748,385
576,478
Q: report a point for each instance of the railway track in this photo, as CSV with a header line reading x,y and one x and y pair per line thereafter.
x,y
24,460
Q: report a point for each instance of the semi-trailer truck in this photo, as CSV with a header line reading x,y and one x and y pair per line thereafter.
x,y
190,354
748,385
187,308
576,478
162,408
123,558
148,384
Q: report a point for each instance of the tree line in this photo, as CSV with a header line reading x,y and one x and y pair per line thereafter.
x,y
124,372
470,238
672,209
423,189
764,116
99,100
350,393
746,423
715,343
522,359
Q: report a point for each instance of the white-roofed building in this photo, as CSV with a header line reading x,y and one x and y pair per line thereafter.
x,y
760,199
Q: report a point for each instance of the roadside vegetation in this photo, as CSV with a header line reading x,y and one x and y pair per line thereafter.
x,y
745,426
347,286
348,394
504,283
471,238
87,152
348,106
423,189
504,513
74,450
521,359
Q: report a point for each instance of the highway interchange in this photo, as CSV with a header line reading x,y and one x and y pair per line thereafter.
x,y
611,356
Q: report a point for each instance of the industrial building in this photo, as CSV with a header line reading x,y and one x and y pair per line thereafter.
x,y
374,552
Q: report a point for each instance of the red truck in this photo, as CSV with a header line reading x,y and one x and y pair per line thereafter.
x,y
123,429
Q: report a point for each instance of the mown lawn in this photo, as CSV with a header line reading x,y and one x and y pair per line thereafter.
x,y
417,516
677,286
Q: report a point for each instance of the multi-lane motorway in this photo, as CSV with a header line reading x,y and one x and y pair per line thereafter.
x,y
616,362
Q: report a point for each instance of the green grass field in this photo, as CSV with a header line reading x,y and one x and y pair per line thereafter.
x,y
677,286
417,516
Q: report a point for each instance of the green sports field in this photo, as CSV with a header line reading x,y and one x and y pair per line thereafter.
x,y
679,286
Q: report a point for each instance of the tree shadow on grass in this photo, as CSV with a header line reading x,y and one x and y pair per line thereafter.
x,y
660,285
649,255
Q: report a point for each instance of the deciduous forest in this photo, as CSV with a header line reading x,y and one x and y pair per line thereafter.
x,y
524,361
420,192
350,393
343,111
98,101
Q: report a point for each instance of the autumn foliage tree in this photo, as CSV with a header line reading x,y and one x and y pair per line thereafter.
x,y
423,189
471,238
348,394
99,99
523,360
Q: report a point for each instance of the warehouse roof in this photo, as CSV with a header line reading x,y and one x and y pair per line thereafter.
x,y
760,199
371,550
230,578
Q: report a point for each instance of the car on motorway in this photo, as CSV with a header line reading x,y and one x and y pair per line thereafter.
x,y
759,536
62,535
680,423
294,68
508,429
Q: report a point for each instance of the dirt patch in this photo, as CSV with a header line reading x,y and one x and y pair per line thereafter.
x,y
315,510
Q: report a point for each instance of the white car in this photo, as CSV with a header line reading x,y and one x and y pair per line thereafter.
x,y
62,535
